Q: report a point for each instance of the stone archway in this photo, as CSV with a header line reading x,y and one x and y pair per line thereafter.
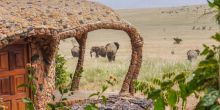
x,y
136,57
80,33
48,22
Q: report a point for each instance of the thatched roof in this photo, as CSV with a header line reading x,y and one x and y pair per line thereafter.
x,y
19,17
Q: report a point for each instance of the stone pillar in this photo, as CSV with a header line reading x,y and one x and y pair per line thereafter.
x,y
45,51
79,68
135,64
138,59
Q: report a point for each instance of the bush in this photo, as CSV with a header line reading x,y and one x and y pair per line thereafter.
x,y
166,91
177,40
210,101
62,75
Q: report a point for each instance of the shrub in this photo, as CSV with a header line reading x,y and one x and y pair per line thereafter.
x,y
171,88
62,75
177,40
100,94
210,101
31,86
166,92
60,104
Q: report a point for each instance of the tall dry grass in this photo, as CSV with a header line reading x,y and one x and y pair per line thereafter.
x,y
96,71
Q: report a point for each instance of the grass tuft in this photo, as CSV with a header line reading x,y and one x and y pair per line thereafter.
x,y
97,70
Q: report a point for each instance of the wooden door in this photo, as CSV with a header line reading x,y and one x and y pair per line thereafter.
x,y
13,73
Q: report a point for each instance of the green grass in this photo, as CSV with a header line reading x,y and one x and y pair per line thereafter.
x,y
96,71
152,68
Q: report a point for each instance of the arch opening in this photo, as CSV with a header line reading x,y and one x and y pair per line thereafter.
x,y
81,33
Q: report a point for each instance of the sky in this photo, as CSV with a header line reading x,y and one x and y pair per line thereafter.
x,y
127,4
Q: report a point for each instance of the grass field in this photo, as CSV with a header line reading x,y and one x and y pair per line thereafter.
x,y
158,27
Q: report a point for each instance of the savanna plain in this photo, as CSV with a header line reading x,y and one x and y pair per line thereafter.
x,y
158,27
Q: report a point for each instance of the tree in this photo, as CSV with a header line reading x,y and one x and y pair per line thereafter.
x,y
216,5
